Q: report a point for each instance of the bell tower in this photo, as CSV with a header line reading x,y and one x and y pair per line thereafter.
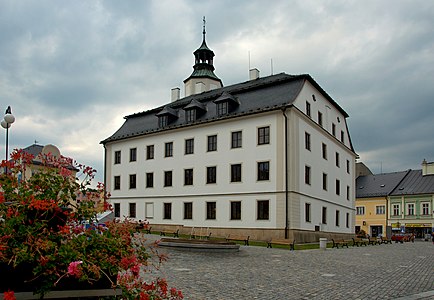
x,y
203,78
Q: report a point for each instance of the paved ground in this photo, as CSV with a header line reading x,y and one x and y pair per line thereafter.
x,y
397,271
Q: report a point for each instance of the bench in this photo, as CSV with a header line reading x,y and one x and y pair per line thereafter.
x,y
200,233
243,238
372,241
360,242
148,229
290,243
385,240
169,232
341,243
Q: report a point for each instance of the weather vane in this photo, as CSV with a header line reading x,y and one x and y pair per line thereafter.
x,y
204,32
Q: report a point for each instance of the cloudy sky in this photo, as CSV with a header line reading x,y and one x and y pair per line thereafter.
x,y
71,70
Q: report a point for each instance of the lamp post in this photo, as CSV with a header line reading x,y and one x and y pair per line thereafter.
x,y
7,121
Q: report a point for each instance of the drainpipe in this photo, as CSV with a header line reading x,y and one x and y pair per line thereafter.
x,y
286,174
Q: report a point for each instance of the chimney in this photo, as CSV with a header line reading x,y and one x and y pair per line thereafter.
x,y
254,74
175,94
427,168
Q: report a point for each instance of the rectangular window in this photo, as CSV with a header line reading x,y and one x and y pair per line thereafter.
x,y
308,112
347,220
132,210
348,192
168,149
342,136
149,210
163,121
189,146
211,210
117,157
212,143
117,210
307,141
237,140
307,174
167,211
348,166
395,209
324,151
190,115
263,210
334,129
188,210
150,152
236,173
263,170
380,210
320,118
188,177
360,210
337,160
149,180
236,210
167,178
338,187
324,181
211,175
307,212
133,154
337,221
410,209
324,215
132,181
117,183
222,108
263,135
425,208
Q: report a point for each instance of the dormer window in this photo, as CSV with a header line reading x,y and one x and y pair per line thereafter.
x,y
225,104
194,110
190,115
166,116
222,108
163,121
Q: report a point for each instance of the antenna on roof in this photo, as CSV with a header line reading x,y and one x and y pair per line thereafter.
x,y
271,66
249,59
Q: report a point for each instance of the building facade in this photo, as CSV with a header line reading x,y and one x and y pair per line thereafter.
x,y
269,157
396,203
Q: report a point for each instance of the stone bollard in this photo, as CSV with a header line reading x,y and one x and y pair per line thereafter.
x,y
323,243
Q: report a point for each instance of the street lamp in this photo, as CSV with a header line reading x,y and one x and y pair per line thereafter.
x,y
7,121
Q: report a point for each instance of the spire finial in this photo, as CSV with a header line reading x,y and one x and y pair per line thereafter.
x,y
204,32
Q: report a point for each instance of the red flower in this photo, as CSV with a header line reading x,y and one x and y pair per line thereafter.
x,y
10,295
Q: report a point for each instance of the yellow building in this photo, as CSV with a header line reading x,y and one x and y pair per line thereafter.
x,y
372,194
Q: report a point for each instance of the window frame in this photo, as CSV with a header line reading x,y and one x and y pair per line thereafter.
x,y
117,157
116,182
263,171
236,139
133,154
150,152
188,176
132,181
380,209
149,180
263,210
188,210
168,178
307,174
211,210
212,143
307,212
168,149
264,135
189,146
167,211
360,210
211,175
236,172
235,213
132,210
307,141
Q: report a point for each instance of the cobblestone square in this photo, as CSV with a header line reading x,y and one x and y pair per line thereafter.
x,y
396,271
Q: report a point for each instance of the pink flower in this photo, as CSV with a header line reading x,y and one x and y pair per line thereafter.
x,y
74,269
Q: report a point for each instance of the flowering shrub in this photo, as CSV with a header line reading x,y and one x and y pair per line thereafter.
x,y
42,234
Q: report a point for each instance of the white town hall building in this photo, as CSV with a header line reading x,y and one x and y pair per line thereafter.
x,y
269,157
